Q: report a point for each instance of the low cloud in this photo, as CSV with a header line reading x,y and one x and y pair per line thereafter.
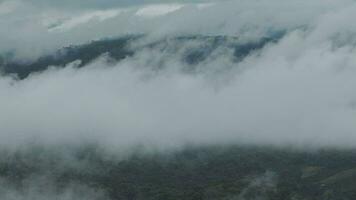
x,y
32,30
297,91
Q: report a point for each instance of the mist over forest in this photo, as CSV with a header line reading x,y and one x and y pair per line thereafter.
x,y
164,100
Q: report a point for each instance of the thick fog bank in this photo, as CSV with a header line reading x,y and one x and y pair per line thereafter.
x,y
211,100
296,91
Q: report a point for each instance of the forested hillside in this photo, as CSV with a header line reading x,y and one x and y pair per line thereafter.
x,y
199,172
192,49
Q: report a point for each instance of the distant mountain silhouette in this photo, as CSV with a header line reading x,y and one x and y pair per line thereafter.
x,y
121,48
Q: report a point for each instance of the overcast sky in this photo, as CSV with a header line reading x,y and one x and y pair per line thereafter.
x,y
102,4
34,27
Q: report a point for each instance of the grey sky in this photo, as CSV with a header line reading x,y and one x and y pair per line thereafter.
x,y
102,4
27,22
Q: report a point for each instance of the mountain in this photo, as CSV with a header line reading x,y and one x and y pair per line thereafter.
x,y
199,172
192,49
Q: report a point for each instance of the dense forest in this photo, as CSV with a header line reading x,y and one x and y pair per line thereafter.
x,y
193,172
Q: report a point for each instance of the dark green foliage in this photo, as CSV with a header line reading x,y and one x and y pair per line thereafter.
x,y
209,172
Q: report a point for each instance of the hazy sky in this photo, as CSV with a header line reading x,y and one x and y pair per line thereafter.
x,y
32,28
102,4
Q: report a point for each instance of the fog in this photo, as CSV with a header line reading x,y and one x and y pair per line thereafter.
x,y
299,90
292,92
37,27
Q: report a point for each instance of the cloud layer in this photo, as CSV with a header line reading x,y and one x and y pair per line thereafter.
x,y
300,90
32,30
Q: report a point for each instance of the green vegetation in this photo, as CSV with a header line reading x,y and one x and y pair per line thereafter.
x,y
207,172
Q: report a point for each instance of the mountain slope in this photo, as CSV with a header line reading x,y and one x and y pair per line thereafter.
x,y
191,49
